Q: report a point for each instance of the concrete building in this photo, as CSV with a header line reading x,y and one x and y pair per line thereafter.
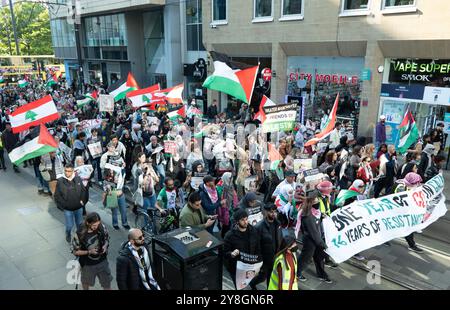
x,y
355,47
153,39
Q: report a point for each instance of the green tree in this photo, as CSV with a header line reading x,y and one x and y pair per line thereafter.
x,y
33,29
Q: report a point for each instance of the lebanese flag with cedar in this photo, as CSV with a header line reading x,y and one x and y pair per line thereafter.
x,y
329,127
144,97
34,113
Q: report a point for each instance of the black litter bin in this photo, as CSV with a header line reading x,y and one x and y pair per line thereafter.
x,y
183,261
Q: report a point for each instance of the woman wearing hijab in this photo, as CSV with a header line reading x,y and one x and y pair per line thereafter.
x,y
228,203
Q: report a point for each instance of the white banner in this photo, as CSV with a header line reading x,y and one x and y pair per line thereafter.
x,y
367,223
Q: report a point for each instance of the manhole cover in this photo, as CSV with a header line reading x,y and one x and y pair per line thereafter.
x,y
29,211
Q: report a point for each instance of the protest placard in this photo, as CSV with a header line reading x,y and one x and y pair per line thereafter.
x,y
250,184
170,147
95,149
302,165
367,223
106,103
247,267
196,181
280,118
254,215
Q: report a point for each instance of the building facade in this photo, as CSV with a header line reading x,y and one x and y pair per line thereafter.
x,y
153,39
362,49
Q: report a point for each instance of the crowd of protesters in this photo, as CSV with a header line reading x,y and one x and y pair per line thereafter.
x,y
234,178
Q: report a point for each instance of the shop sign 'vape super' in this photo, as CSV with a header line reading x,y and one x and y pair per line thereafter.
x,y
420,71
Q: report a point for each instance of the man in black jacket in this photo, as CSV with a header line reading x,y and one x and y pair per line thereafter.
x,y
241,243
269,231
10,140
133,265
70,196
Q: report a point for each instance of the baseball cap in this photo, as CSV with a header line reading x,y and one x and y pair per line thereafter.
x,y
290,173
382,117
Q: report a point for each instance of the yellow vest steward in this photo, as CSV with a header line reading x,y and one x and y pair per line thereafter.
x,y
273,284
324,206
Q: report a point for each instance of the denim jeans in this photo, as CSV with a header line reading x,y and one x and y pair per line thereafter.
x,y
150,203
123,212
73,218
162,174
41,183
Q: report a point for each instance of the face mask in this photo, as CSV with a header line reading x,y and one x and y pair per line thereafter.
x,y
316,206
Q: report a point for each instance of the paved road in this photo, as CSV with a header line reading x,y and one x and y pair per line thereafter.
x,y
34,253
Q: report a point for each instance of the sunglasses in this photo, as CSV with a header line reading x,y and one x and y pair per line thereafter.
x,y
141,237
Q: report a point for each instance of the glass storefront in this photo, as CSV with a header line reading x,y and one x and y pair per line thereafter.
x,y
421,85
318,80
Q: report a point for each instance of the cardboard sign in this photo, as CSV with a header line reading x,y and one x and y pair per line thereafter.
x,y
106,103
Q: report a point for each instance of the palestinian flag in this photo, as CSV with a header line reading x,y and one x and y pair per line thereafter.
x,y
144,97
87,98
409,133
52,80
265,102
194,112
231,79
274,156
178,113
22,83
120,89
174,95
344,195
37,143
329,125
34,113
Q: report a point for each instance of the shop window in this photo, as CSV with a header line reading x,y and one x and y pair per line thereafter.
x,y
219,12
292,9
355,7
399,6
263,10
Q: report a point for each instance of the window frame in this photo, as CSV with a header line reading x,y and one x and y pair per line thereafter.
x,y
289,17
263,19
219,21
410,8
355,12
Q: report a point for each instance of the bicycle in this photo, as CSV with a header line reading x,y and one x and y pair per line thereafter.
x,y
145,221
170,221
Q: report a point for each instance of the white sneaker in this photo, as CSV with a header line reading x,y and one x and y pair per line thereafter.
x,y
419,231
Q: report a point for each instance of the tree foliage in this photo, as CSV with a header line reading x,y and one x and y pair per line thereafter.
x,y
33,29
